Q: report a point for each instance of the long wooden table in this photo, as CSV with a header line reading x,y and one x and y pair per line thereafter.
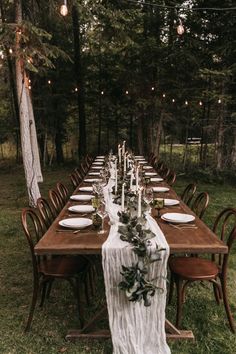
x,y
184,240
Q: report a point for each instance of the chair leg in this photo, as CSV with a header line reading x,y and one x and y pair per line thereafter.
x,y
33,304
179,287
49,288
217,291
44,290
226,304
171,288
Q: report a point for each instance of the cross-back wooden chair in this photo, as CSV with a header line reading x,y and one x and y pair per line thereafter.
x,y
171,178
45,270
46,211
56,200
63,191
200,204
188,193
186,270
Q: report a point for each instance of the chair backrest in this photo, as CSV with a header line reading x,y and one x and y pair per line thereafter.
x,y
164,172
75,180
188,193
171,178
84,167
33,229
56,200
63,191
225,228
200,204
46,211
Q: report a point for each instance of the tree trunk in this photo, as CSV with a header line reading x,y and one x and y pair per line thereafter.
x,y
30,173
220,141
233,152
34,140
140,134
80,83
158,129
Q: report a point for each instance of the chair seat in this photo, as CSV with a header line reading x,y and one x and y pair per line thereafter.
x,y
193,268
63,266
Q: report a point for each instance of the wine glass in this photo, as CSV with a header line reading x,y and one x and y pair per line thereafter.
x,y
102,213
148,196
147,180
96,203
158,205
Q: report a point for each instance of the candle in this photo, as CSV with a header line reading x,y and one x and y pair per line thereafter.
x,y
139,203
123,148
125,163
131,179
116,181
123,197
119,154
136,177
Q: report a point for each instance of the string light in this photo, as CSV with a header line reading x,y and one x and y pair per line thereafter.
x,y
164,95
173,100
29,81
186,103
153,88
102,92
200,103
49,82
29,87
64,9
76,89
126,92
180,28
219,101
10,51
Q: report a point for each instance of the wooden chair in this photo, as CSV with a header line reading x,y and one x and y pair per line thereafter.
x,y
56,200
164,172
200,204
171,178
75,180
63,191
45,271
186,270
46,211
188,193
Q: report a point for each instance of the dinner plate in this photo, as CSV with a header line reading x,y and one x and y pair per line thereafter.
x,y
178,218
76,223
86,189
100,157
96,167
139,157
143,162
94,173
97,163
150,173
83,197
160,189
147,167
157,179
171,202
91,180
81,208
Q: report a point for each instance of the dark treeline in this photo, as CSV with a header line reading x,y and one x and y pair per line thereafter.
x,y
125,74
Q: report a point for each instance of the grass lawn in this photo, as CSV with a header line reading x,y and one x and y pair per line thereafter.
x,y
201,314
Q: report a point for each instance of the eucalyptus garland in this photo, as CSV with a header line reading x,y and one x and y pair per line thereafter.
x,y
135,282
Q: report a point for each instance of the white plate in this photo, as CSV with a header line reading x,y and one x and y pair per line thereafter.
x,y
150,173
160,189
139,157
178,218
96,167
171,202
94,173
81,208
91,180
86,189
83,197
157,179
76,223
147,167
142,162
100,157
97,163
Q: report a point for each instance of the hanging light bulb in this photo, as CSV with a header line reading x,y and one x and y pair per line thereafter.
x,y
180,28
219,101
200,103
64,9
173,100
126,92
186,103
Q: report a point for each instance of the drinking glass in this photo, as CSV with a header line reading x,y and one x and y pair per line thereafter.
x,y
95,202
148,196
102,213
158,205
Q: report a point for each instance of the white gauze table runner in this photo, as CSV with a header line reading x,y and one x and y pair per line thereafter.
x,y
135,329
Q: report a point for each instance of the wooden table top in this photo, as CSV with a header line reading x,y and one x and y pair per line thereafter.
x,y
199,240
